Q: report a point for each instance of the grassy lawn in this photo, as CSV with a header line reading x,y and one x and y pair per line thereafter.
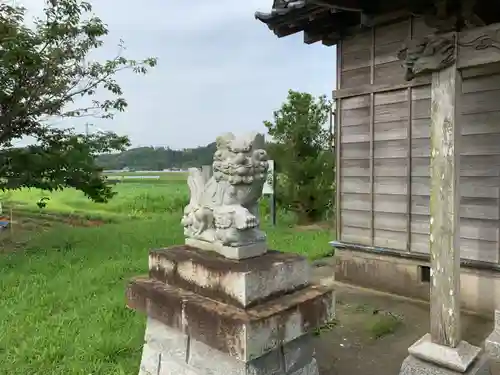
x,y
62,296
134,200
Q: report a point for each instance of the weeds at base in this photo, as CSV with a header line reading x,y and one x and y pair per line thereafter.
x,y
378,323
326,327
382,325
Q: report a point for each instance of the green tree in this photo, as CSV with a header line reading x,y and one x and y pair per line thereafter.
x,y
302,150
46,74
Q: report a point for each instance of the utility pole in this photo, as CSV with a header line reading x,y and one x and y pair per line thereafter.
x,y
87,129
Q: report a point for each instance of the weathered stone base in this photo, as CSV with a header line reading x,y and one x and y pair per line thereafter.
x,y
208,314
171,352
242,283
414,366
244,334
236,252
457,359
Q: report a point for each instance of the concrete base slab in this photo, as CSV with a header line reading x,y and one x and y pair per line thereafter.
x,y
242,283
457,359
236,252
392,272
170,352
415,366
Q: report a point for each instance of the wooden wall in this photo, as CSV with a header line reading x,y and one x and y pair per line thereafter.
x,y
384,129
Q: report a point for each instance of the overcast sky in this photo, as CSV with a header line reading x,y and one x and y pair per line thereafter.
x,y
219,69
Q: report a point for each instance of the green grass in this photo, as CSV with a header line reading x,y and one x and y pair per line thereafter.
x,y
62,297
133,200
382,325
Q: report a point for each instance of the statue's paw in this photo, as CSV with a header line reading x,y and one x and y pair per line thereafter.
x,y
252,221
249,221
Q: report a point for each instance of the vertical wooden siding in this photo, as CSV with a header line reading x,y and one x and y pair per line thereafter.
x,y
480,167
355,142
385,150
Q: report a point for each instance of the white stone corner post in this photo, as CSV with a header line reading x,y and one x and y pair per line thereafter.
x,y
442,351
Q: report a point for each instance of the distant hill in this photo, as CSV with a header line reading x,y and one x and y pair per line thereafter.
x,y
157,158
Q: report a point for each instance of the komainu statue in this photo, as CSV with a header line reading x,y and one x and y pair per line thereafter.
x,y
222,214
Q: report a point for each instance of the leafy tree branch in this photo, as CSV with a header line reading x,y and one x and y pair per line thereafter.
x,y
46,72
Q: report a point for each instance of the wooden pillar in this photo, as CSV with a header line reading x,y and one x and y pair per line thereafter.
x,y
445,208
338,142
442,351
372,139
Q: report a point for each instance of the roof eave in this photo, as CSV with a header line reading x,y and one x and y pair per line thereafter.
x,y
318,19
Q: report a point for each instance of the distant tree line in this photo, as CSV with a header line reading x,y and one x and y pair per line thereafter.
x,y
157,158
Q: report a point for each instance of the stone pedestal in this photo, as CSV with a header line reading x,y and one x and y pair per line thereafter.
x,y
492,343
231,252
428,358
211,315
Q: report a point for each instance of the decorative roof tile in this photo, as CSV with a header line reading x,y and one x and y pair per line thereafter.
x,y
280,8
